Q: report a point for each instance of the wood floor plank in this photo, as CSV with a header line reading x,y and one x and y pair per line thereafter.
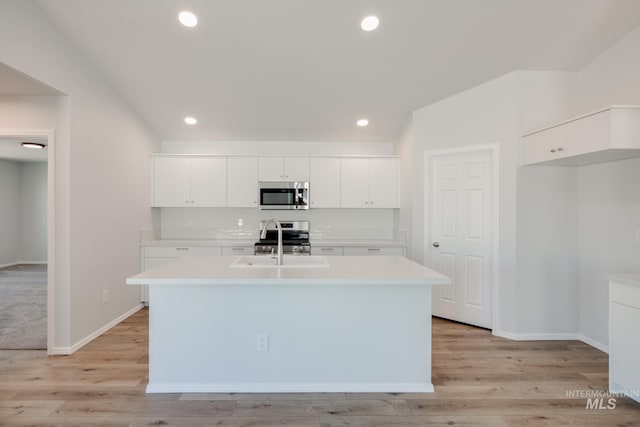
x,y
479,379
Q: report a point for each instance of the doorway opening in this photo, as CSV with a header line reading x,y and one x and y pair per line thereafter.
x,y
461,228
26,243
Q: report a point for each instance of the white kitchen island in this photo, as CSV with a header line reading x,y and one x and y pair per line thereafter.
x,y
358,324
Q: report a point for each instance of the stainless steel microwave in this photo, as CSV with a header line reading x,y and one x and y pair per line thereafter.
x,y
284,195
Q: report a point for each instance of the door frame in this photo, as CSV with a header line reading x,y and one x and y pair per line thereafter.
x,y
494,150
49,134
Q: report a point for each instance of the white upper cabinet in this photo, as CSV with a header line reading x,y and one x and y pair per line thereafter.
x,y
369,182
383,183
242,182
606,135
171,181
324,178
289,168
189,181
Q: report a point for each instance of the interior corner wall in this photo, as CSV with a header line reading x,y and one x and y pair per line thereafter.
x,y
102,174
609,194
405,148
9,212
485,114
547,208
33,212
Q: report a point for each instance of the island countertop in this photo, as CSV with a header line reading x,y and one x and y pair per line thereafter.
x,y
213,270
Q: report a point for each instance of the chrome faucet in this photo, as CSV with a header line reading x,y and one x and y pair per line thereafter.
x,y
263,234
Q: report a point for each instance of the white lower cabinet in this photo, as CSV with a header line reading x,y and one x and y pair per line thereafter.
x,y
327,250
237,250
374,250
624,337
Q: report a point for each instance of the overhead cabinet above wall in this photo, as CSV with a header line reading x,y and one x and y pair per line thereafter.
x,y
186,181
284,168
200,180
602,136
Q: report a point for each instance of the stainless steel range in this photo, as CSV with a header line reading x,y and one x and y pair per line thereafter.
x,y
295,239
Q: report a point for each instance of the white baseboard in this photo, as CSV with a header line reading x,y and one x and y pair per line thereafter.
x,y
291,388
552,337
77,346
594,343
11,264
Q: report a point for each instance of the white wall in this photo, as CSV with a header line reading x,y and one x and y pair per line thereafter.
x,y
499,112
609,193
102,172
303,148
33,212
9,212
485,114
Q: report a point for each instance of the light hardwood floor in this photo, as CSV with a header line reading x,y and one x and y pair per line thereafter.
x,y
479,380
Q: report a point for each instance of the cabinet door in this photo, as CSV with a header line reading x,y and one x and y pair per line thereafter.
x,y
242,182
324,175
354,183
296,168
383,183
549,144
589,134
209,181
171,182
271,169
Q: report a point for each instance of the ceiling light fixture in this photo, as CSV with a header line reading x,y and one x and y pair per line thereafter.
x,y
190,120
370,23
362,122
35,145
188,19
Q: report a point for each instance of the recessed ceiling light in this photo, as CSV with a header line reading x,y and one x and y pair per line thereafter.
x,y
370,23
362,122
36,145
188,19
190,120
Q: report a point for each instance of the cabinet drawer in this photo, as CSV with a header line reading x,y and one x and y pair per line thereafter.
x,y
180,251
327,250
373,250
237,250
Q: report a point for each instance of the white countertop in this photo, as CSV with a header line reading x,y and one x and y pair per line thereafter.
x,y
627,278
345,270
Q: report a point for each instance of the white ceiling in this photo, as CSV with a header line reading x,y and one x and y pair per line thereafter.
x,y
303,70
15,83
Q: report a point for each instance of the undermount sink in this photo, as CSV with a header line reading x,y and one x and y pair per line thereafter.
x,y
289,261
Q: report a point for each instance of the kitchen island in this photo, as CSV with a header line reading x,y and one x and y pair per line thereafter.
x,y
346,324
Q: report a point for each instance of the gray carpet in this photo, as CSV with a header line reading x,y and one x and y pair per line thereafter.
x,y
23,307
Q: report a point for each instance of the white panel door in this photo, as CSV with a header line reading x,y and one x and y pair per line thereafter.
x,y
242,182
209,181
324,183
354,185
296,168
461,236
171,182
383,183
271,168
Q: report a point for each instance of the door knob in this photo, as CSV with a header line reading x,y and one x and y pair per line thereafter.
x,y
436,244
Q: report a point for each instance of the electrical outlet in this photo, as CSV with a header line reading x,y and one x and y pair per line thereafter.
x,y
105,295
240,222
262,342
